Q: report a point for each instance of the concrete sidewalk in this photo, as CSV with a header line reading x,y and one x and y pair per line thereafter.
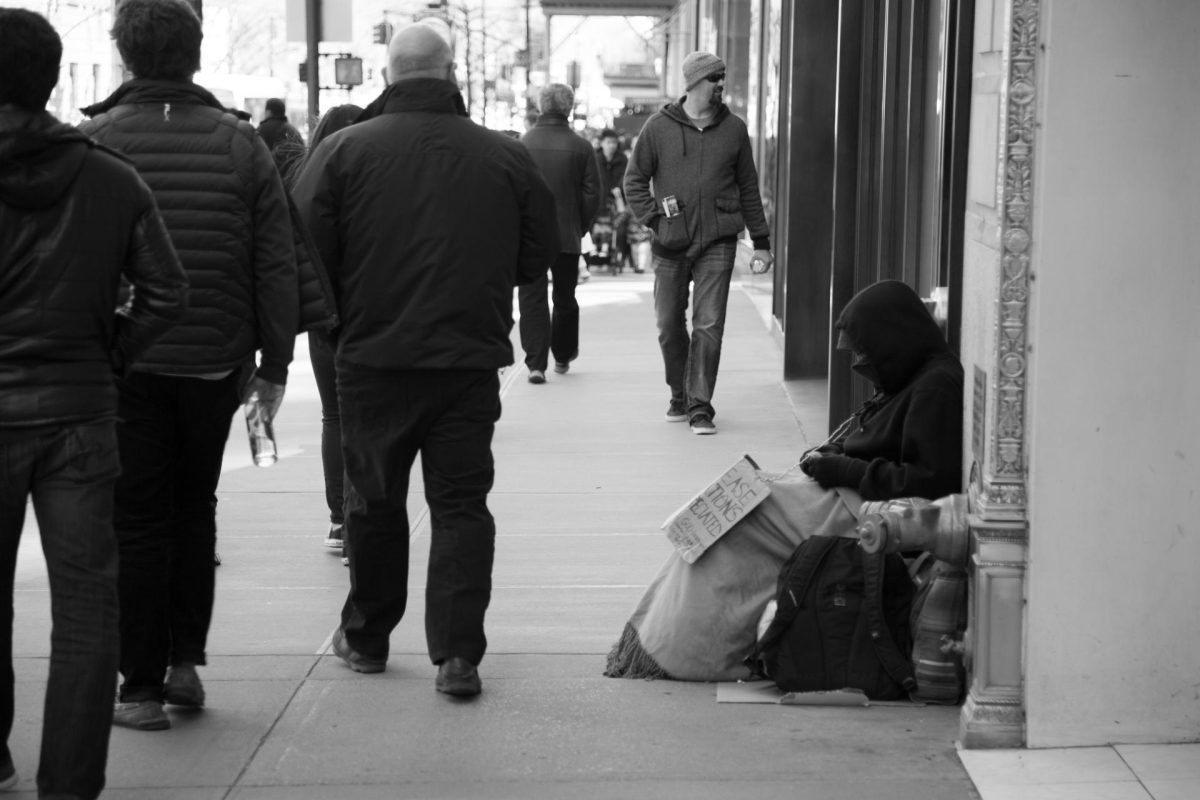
x,y
586,471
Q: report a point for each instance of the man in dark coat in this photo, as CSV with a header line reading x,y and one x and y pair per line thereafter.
x,y
425,221
566,162
75,219
275,128
226,210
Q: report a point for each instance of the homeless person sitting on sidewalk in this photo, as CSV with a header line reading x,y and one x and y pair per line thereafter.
x,y
698,621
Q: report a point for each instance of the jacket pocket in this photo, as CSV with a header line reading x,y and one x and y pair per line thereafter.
x,y
672,232
729,217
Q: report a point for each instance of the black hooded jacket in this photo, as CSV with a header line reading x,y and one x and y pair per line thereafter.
x,y
74,219
907,440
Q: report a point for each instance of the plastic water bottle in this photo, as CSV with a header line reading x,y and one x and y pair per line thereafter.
x,y
758,265
261,432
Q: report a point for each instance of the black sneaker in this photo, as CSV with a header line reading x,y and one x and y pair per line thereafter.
x,y
702,425
336,536
537,376
676,412
561,367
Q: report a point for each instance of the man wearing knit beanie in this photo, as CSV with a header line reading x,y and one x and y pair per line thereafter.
x,y
698,66
692,181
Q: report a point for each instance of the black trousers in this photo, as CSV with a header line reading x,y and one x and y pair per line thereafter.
x,y
543,333
321,354
448,417
172,441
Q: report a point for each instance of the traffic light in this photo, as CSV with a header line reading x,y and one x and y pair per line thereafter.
x,y
304,72
383,32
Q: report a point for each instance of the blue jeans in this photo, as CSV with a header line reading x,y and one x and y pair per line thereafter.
x,y
691,361
70,472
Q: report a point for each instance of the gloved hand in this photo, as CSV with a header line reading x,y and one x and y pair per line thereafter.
x,y
270,395
831,470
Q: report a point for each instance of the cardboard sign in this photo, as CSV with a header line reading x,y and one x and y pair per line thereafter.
x,y
718,507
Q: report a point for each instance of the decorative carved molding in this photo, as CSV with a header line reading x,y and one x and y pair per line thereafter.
x,y
1004,486
994,712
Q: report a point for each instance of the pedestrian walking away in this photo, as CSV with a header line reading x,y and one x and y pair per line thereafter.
x,y
226,211
692,181
75,221
321,346
571,171
275,128
425,221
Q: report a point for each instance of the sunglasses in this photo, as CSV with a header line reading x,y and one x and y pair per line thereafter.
x,y
716,78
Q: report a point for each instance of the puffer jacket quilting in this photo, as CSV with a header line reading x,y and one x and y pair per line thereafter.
x,y
225,207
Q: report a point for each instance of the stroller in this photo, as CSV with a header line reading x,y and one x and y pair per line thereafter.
x,y
614,233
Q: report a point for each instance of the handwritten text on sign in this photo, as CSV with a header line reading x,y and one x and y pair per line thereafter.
x,y
708,515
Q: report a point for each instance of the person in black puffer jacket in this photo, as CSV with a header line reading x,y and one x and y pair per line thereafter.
x,y
225,207
75,219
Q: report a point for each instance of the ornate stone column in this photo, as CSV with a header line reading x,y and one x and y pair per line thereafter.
x,y
994,712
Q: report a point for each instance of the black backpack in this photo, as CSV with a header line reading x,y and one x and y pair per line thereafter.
x,y
841,621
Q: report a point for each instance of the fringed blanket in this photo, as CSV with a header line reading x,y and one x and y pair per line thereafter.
x,y
697,622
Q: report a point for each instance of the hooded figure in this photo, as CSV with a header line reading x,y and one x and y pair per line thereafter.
x,y
906,441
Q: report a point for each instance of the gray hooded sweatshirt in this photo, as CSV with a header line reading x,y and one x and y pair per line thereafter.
x,y
710,173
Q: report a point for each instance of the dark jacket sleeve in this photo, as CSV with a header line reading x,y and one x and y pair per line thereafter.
x,y
315,195
540,243
276,308
593,185
751,198
930,463
318,309
159,293
642,165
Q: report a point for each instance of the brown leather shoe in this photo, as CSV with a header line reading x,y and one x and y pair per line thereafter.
x,y
458,677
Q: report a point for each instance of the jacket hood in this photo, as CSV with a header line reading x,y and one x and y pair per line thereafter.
x,y
674,111
39,160
416,94
889,324
143,90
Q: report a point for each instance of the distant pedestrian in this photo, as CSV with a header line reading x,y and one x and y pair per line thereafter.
x,y
226,211
425,221
612,161
692,181
75,220
275,128
566,161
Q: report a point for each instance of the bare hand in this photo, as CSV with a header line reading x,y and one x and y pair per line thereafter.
x,y
270,395
761,261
